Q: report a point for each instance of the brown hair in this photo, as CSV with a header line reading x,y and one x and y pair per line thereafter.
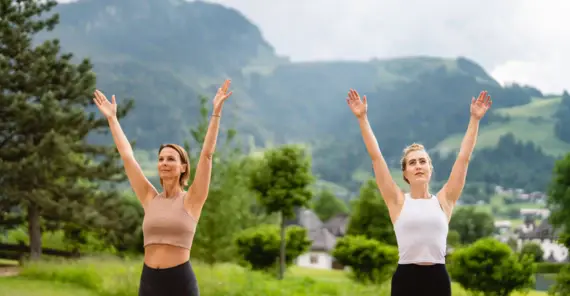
x,y
183,180
407,150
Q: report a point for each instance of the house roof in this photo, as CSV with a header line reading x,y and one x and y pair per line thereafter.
x,y
307,219
322,240
337,224
543,231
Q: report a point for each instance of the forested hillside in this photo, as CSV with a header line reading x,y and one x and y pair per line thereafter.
x,y
163,54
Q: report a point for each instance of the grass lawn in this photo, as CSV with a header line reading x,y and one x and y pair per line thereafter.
x,y
90,277
12,286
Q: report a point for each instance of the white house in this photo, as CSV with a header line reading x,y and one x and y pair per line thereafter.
x,y
319,255
322,238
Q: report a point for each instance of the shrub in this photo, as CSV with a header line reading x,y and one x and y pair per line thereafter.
x,y
550,267
259,246
534,250
491,268
370,260
562,286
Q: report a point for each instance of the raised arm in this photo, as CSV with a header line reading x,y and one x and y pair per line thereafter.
x,y
198,192
452,189
143,189
389,189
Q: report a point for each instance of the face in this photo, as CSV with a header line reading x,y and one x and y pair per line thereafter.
x,y
169,164
418,167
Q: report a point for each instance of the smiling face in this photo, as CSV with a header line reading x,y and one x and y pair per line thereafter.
x,y
416,165
173,164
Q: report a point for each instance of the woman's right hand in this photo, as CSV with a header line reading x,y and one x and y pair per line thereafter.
x,y
108,109
357,106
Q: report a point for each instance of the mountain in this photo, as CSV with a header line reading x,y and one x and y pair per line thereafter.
x,y
163,54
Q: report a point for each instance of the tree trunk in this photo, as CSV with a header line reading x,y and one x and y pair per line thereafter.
x,y
282,249
34,231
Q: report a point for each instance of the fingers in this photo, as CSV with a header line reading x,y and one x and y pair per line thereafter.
x,y
226,85
100,96
482,96
114,100
353,95
364,100
97,98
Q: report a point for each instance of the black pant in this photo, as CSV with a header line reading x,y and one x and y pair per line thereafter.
x,y
179,280
417,280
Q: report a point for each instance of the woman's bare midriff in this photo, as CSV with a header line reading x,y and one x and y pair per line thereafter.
x,y
165,256
425,263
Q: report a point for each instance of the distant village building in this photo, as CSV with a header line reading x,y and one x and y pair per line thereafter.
x,y
544,235
323,237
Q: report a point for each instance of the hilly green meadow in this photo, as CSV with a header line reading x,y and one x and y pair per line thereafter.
x,y
164,60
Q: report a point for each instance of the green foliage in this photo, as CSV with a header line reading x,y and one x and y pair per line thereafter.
x,y
562,286
369,259
328,205
50,173
282,180
453,238
559,198
370,216
562,127
511,164
533,250
491,268
550,267
471,224
259,246
126,236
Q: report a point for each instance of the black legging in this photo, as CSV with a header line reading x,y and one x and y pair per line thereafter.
x,y
179,280
415,280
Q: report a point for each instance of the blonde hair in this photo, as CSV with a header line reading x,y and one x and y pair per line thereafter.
x,y
185,176
407,150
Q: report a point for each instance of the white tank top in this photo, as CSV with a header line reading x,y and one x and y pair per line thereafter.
x,y
421,231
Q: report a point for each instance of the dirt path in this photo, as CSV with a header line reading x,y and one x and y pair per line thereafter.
x,y
9,271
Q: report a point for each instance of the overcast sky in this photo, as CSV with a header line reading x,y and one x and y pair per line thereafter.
x,y
527,41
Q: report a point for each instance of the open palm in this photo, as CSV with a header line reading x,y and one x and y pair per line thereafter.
x,y
480,105
107,108
357,106
221,96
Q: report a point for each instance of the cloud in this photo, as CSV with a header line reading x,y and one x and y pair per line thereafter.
x,y
526,41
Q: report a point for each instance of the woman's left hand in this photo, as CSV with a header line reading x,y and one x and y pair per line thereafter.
x,y
480,105
221,96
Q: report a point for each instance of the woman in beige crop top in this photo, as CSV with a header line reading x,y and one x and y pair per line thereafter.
x,y
171,215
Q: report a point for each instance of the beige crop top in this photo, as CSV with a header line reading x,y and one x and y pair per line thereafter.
x,y
166,221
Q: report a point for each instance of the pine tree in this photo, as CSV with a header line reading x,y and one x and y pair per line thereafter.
x,y
49,173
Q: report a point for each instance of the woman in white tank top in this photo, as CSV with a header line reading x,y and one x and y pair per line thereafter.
x,y
420,218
